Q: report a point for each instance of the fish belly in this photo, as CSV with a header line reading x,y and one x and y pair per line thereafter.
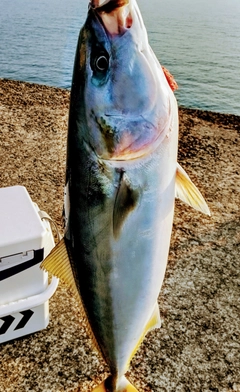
x,y
140,256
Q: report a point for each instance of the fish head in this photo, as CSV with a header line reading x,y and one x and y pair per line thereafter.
x,y
125,97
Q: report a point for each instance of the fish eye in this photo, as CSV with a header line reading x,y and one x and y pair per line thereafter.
x,y
101,63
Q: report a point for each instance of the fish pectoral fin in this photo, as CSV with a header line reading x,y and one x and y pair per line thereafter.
x,y
188,192
125,202
58,264
108,385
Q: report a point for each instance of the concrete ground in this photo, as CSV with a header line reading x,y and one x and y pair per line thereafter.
x,y
198,346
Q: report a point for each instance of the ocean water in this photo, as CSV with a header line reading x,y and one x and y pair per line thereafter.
x,y
198,41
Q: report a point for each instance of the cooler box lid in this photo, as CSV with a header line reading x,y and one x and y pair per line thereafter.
x,y
21,229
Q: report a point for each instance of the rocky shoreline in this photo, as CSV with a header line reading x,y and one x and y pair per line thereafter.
x,y
198,346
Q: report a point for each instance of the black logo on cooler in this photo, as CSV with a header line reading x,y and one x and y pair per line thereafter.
x,y
8,320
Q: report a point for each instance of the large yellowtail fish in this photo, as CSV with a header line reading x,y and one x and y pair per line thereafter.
x,y
121,181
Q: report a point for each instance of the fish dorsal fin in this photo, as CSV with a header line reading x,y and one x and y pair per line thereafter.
x,y
58,264
126,201
188,192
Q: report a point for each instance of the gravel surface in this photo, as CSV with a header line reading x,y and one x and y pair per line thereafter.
x,y
198,345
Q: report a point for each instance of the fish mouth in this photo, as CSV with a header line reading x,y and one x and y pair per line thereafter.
x,y
123,139
115,15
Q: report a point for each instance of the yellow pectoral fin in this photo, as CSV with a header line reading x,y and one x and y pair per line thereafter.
x,y
188,192
58,264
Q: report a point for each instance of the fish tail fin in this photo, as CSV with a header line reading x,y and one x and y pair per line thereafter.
x,y
108,385
100,388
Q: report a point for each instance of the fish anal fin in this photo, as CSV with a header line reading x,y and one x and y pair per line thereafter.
x,y
188,192
58,264
126,201
153,323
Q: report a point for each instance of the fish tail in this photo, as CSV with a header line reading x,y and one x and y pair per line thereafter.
x,y
108,386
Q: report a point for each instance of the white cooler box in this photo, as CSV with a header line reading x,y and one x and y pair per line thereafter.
x,y
25,240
